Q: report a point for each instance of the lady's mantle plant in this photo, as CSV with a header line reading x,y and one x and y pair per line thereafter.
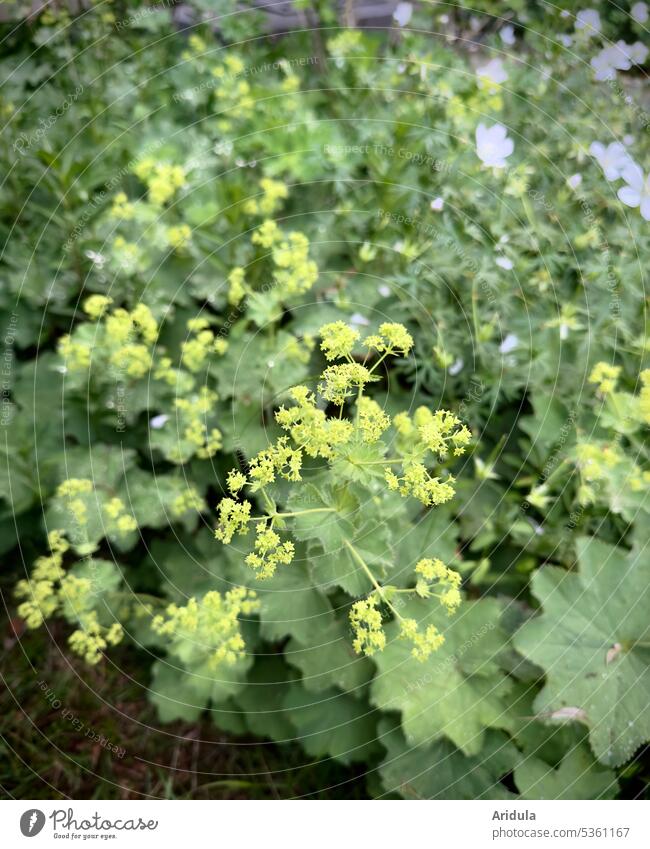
x,y
343,451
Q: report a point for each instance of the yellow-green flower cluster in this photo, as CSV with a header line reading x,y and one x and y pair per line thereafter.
x,y
234,517
341,382
236,481
204,342
417,482
208,630
233,95
424,643
606,376
433,573
277,459
41,600
92,639
122,208
77,355
96,305
198,438
366,621
441,431
116,511
69,491
436,432
162,179
125,339
273,193
236,286
294,272
187,501
372,421
310,427
178,236
392,339
594,459
338,340
49,590
269,552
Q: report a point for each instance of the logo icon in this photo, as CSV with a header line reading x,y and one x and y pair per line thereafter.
x,y
31,822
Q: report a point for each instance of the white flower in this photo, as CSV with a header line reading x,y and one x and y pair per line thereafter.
x,y
358,320
637,52
639,12
566,40
612,159
402,13
628,140
437,204
507,34
158,421
493,145
509,344
574,181
589,21
384,290
637,191
493,72
456,367
618,57
504,262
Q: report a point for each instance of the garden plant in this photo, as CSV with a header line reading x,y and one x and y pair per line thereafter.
x,y
325,401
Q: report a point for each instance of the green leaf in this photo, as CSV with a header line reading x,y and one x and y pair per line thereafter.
x,y
593,642
262,699
333,561
458,691
332,723
326,659
579,776
440,771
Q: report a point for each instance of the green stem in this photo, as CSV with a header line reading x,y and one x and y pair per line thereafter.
x,y
355,554
291,515
379,361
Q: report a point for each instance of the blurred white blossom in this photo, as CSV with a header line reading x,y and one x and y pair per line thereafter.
x,y
588,21
493,71
507,34
493,145
402,14
637,191
612,158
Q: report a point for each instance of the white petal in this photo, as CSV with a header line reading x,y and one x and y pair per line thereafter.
x,y
509,343
629,196
633,175
645,207
158,421
402,13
